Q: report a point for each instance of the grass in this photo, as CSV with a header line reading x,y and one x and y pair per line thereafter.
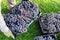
x,y
46,6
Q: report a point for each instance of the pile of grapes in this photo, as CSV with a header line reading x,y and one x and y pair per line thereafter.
x,y
46,37
21,16
50,23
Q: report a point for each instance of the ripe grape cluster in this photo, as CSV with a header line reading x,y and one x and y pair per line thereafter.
x,y
46,37
50,23
20,17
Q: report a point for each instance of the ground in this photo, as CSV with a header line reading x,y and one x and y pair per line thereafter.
x,y
46,6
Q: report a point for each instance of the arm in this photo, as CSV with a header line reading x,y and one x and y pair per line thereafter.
x,y
4,28
11,3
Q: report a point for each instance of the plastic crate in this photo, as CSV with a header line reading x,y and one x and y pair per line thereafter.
x,y
46,37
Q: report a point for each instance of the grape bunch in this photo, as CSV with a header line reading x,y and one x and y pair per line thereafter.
x,y
20,17
50,23
45,37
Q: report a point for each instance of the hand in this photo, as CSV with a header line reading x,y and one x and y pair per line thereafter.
x,y
9,34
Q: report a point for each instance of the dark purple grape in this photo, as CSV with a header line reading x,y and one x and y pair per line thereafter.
x,y
45,37
50,22
20,16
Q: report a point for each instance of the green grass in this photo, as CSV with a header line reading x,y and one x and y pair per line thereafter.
x,y
46,6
